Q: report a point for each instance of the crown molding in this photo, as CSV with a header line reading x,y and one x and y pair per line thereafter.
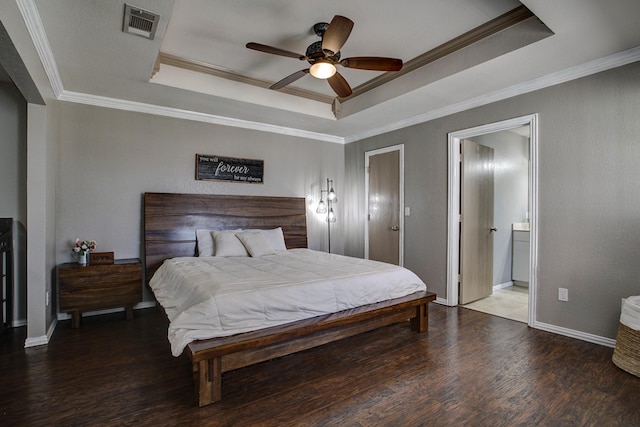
x,y
596,66
35,28
36,31
141,107
481,32
203,67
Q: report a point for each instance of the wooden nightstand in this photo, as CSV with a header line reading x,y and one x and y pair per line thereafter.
x,y
97,287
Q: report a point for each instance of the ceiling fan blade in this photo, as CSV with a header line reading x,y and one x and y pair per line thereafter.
x,y
289,79
337,34
274,50
375,63
339,85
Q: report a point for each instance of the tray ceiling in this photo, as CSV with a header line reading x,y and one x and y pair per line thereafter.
x,y
197,65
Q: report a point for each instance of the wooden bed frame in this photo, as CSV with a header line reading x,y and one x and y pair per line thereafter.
x,y
170,221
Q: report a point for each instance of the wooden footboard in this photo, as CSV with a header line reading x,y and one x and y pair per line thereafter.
x,y
211,358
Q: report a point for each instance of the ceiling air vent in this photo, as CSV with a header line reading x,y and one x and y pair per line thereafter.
x,y
140,22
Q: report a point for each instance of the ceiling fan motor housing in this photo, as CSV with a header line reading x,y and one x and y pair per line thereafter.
x,y
315,53
320,28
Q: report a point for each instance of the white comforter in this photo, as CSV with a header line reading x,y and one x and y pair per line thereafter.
x,y
211,297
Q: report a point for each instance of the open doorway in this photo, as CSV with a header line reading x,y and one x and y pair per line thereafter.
x,y
513,280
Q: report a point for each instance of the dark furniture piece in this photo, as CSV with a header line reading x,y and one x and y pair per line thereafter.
x,y
98,287
170,224
6,273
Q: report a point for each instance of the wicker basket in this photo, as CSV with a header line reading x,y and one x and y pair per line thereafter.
x,y
627,352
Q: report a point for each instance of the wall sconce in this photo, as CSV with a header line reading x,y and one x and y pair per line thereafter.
x,y
327,208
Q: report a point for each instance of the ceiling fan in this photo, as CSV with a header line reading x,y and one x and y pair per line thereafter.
x,y
324,55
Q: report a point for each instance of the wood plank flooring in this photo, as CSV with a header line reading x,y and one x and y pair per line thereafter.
x,y
469,369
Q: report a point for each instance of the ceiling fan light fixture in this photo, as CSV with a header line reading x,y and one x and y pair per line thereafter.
x,y
322,70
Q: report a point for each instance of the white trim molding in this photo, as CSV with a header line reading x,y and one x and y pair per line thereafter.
x,y
596,66
584,336
19,323
503,286
42,340
32,20
158,110
441,301
36,341
30,14
453,233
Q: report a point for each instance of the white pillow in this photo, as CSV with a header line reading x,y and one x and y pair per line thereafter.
x,y
204,242
256,244
228,245
275,238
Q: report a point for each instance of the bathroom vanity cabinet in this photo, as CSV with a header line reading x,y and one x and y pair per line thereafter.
x,y
520,258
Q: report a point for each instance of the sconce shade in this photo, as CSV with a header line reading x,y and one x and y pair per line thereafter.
x,y
322,70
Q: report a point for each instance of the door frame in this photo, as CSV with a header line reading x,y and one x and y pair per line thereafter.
x,y
367,154
453,232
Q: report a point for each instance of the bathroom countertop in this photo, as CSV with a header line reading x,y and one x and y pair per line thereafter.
x,y
520,226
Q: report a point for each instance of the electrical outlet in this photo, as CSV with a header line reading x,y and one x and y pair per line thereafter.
x,y
563,294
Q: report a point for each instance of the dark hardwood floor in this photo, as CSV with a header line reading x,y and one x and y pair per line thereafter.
x,y
469,369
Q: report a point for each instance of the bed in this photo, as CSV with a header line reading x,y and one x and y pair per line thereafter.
x,y
170,225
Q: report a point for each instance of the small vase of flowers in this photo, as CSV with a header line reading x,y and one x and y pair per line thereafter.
x,y
81,249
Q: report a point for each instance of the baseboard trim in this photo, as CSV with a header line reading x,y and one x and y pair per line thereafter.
x,y
584,336
442,301
52,328
36,341
502,286
571,333
19,323
139,306
41,340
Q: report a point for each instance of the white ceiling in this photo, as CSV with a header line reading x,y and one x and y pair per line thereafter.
x,y
95,62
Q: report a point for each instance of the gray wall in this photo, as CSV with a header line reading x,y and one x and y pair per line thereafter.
x,y
13,184
13,161
109,158
589,195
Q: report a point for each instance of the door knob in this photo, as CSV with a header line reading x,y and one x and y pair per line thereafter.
x,y
493,229
395,228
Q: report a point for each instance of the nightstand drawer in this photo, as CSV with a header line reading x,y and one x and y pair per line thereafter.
x,y
88,288
92,297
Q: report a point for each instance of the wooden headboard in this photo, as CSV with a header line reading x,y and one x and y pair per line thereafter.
x,y
171,221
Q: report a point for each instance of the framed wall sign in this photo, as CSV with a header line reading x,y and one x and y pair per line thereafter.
x,y
212,167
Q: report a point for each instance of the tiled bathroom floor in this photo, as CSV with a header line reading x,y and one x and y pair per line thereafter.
x,y
510,303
